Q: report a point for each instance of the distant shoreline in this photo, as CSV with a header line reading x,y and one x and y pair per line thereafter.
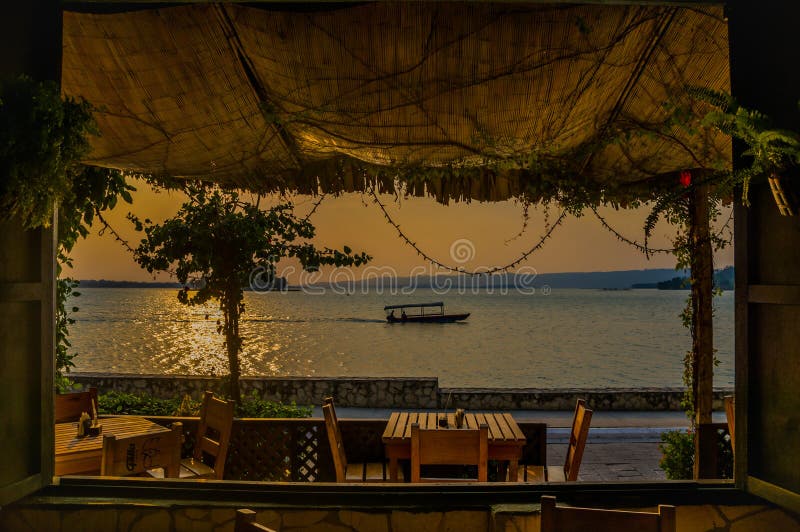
x,y
657,278
102,283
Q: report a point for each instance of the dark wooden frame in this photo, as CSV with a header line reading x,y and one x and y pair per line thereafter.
x,y
38,55
762,77
411,496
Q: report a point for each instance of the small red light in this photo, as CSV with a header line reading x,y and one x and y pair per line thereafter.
x,y
686,178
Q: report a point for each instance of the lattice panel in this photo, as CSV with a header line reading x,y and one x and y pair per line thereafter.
x,y
307,455
260,452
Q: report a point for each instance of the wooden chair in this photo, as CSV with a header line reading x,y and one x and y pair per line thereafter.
x,y
577,441
730,414
246,522
134,455
534,453
70,406
213,439
347,472
566,519
572,463
449,447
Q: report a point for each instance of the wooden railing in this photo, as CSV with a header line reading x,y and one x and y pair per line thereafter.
x,y
297,450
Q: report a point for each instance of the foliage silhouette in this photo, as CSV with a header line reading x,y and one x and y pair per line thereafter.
x,y
219,244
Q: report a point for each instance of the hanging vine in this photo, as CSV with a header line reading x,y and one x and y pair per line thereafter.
x,y
314,208
525,218
461,270
641,247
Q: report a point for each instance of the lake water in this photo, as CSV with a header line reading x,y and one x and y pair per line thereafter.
x,y
568,338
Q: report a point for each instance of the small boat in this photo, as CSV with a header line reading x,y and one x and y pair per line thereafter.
x,y
420,316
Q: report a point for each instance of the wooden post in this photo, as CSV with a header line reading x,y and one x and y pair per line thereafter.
x,y
702,263
30,37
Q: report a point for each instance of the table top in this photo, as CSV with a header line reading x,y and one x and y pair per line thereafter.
x,y
67,441
82,456
502,427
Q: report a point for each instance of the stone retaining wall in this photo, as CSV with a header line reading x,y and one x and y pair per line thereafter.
x,y
396,392
349,391
564,399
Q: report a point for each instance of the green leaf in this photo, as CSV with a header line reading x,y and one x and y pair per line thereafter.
x,y
220,238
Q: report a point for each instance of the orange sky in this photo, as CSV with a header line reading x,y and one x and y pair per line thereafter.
x,y
580,244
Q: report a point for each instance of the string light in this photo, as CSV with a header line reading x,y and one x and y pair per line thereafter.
x,y
314,208
438,264
646,250
107,227
461,269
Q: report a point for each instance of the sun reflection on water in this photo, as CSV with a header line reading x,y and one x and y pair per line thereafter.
x,y
571,338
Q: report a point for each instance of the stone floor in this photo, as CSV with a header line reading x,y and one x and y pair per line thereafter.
x,y
614,461
613,453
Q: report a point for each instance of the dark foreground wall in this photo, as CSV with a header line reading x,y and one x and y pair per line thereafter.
x,y
160,516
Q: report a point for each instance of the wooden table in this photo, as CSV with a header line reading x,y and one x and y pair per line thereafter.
x,y
505,437
76,456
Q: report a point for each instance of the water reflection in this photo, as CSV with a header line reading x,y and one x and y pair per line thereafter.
x,y
581,338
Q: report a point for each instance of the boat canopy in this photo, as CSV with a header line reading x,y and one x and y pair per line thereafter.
x,y
414,305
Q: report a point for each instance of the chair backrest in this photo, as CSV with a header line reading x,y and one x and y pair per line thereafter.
x,y
449,447
577,440
335,439
70,406
246,522
214,432
566,519
132,455
730,413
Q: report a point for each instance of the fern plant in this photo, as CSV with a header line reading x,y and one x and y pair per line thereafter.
x,y
771,151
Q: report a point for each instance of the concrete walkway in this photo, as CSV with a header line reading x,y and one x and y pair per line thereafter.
x,y
622,445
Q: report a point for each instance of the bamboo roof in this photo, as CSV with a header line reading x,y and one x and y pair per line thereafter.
x,y
280,97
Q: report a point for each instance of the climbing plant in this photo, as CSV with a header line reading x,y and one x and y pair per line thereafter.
x,y
43,138
90,192
770,151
